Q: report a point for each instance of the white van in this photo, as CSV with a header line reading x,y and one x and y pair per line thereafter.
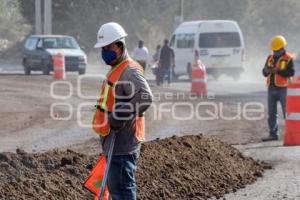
x,y
219,43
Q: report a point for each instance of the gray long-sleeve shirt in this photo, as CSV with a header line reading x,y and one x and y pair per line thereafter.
x,y
133,98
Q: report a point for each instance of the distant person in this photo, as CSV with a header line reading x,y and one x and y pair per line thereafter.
x,y
279,68
166,63
141,54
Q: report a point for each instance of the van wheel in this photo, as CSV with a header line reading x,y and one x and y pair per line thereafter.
x,y
189,70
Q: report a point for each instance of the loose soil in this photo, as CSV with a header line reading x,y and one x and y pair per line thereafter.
x,y
189,167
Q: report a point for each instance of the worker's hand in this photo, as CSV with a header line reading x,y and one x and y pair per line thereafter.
x,y
273,70
115,123
267,70
270,70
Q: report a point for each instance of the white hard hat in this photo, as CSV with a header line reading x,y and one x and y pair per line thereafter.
x,y
109,33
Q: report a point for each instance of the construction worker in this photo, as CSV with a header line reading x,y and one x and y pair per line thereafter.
x,y
141,54
125,96
278,70
166,63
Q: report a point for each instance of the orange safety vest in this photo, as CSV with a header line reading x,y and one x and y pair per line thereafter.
x,y
105,104
281,64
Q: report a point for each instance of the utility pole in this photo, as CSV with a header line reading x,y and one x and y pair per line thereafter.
x,y
181,10
48,17
43,25
38,17
178,19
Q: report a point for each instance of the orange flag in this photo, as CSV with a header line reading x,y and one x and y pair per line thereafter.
x,y
94,181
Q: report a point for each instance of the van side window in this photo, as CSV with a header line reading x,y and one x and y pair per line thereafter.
x,y
185,40
172,42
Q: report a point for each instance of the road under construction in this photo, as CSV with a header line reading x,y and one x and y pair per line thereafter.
x,y
213,131
30,127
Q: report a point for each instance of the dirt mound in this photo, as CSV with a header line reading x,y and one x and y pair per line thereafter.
x,y
51,175
191,167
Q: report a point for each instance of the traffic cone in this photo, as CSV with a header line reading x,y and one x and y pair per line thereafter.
x,y
292,122
298,79
199,86
59,66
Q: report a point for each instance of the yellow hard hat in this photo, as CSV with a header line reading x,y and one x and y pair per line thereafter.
x,y
277,42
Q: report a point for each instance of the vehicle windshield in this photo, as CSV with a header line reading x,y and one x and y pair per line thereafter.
x,y
60,43
219,40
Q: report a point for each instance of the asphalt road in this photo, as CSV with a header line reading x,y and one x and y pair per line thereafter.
x,y
281,182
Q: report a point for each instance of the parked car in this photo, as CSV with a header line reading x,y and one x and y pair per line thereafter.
x,y
39,50
219,43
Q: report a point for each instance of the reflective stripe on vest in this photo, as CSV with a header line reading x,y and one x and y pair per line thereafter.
x,y
107,99
293,92
105,95
282,63
199,80
293,116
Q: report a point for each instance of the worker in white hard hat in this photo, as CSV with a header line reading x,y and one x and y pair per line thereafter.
x,y
125,96
278,70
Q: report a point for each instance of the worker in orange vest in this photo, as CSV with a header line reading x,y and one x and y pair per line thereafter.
x,y
125,96
278,70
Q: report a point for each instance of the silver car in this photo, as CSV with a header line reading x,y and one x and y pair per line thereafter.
x,y
39,50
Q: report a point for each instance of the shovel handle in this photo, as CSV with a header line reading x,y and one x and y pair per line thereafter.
x,y
109,156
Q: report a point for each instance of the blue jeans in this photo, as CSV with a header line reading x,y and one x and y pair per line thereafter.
x,y
275,94
162,73
121,177
168,74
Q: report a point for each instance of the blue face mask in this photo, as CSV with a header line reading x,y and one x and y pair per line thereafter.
x,y
278,53
108,56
